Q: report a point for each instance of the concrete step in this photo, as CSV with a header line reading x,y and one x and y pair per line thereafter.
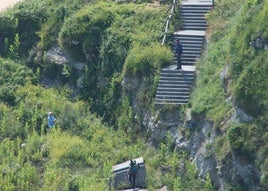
x,y
178,93
171,69
196,10
193,14
194,39
193,17
190,41
176,82
200,21
135,189
190,59
178,98
194,27
197,3
187,55
191,52
207,5
189,33
172,89
186,63
185,48
192,45
171,101
194,21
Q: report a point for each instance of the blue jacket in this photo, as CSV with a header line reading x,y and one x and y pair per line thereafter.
x,y
51,120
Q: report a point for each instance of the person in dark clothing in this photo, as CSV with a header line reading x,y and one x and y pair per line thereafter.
x,y
132,172
178,52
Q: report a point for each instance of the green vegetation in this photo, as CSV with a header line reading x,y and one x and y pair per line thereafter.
x,y
233,25
99,127
114,41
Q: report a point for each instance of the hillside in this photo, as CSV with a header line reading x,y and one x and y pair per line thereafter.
x,y
96,65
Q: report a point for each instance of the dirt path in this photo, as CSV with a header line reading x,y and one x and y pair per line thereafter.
x,y
7,3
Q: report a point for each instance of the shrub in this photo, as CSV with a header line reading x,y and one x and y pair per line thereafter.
x,y
144,60
82,33
30,16
7,31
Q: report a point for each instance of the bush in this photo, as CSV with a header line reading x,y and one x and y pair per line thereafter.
x,y
144,60
82,33
7,31
30,16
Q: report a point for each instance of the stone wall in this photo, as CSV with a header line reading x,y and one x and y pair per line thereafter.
x,y
120,172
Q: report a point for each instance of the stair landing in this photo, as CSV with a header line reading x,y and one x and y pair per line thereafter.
x,y
183,67
190,33
136,189
197,2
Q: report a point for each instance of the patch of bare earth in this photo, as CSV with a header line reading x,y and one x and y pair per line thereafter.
x,y
4,4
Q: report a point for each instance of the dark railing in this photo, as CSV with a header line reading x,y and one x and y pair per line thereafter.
x,y
171,9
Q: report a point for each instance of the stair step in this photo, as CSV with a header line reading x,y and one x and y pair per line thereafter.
x,y
192,14
199,21
171,101
189,55
190,17
178,76
188,37
196,4
175,83
173,94
195,22
183,97
166,89
175,86
175,79
194,28
191,52
193,10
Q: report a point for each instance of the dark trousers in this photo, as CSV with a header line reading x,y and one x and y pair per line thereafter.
x,y
132,180
178,61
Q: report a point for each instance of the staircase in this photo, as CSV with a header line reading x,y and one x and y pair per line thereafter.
x,y
193,14
175,86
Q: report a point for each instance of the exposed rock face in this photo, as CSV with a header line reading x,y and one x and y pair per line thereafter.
x,y
56,55
260,43
199,142
161,125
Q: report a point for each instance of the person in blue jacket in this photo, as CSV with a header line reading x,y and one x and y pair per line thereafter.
x,y
178,52
51,120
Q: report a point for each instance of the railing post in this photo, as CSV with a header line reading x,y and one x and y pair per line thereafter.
x,y
110,184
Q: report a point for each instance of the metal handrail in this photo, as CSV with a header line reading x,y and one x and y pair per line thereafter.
x,y
172,7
